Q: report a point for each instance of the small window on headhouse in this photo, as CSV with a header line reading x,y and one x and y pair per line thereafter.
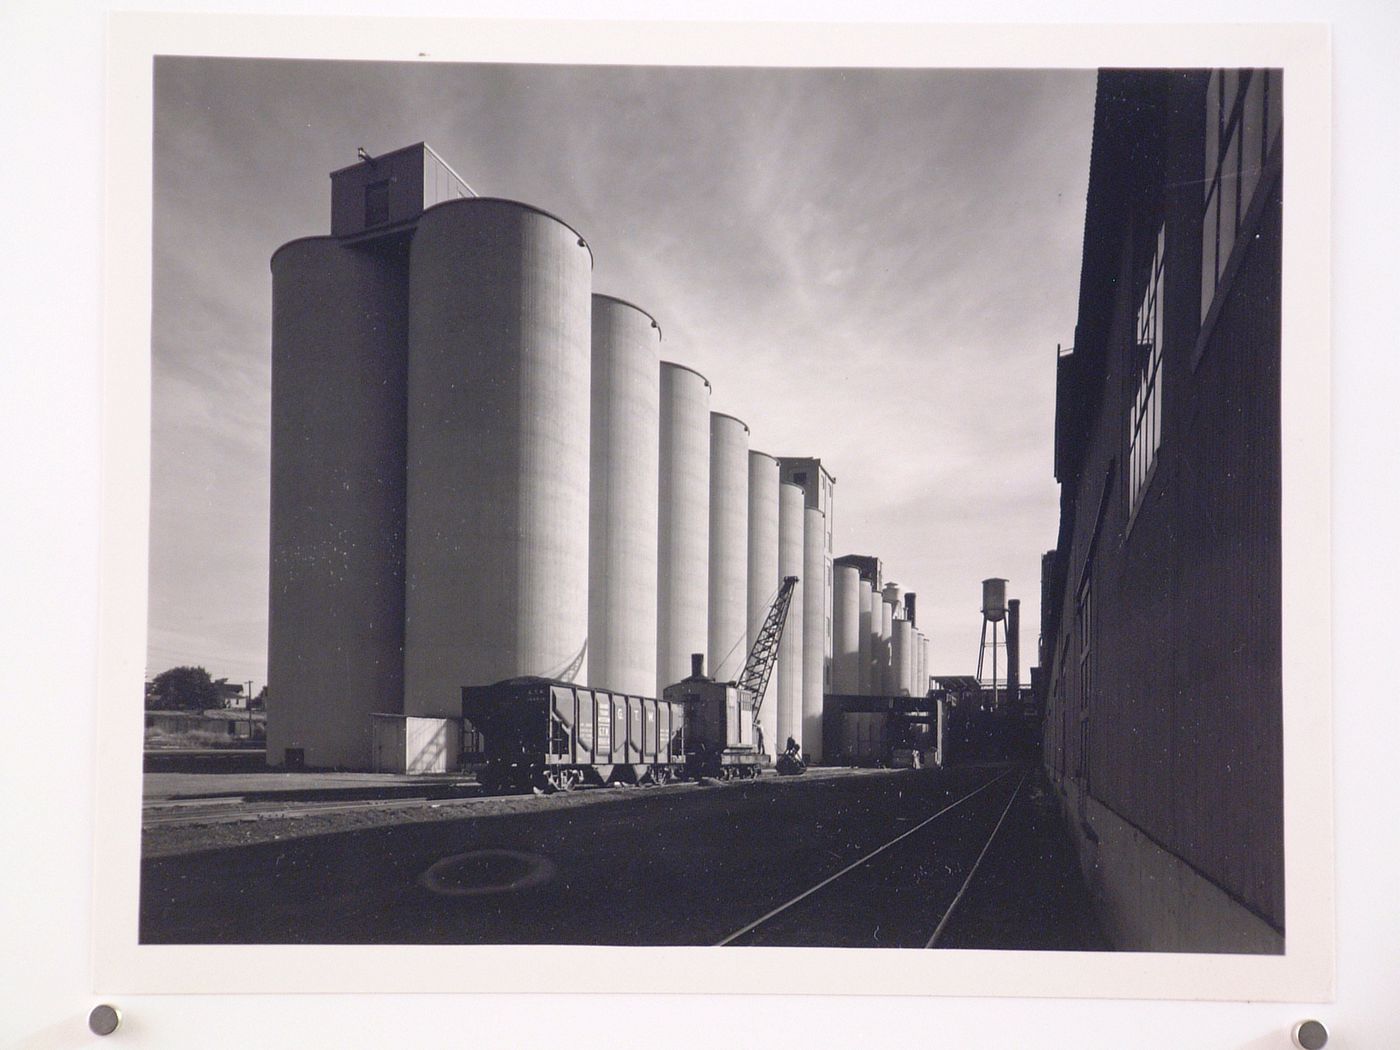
x,y
800,477
376,203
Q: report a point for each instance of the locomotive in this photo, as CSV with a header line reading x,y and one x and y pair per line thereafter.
x,y
550,734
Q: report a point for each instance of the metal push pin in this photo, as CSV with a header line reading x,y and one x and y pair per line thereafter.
x,y
104,1019
1310,1035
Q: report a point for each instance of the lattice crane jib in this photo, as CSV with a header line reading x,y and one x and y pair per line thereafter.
x,y
758,668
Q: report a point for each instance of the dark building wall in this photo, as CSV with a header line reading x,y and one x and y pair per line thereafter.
x,y
1165,689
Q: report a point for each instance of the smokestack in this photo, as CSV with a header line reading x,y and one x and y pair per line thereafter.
x,y
1013,649
909,609
697,665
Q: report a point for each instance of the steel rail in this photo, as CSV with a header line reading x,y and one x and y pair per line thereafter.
x,y
943,922
856,864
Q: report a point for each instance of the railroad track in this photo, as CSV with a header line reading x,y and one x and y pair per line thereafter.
x,y
898,883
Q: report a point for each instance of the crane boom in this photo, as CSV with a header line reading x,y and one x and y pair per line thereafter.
x,y
758,668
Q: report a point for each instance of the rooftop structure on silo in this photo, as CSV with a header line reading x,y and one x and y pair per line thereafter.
x,y
384,195
869,567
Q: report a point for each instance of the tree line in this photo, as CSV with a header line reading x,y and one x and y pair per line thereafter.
x,y
191,689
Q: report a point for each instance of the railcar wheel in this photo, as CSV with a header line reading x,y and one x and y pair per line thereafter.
x,y
562,779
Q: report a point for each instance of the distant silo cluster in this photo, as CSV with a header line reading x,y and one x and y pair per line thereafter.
x,y
891,652
845,641
482,469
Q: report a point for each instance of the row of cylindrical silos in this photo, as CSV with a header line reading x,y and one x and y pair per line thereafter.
x,y
482,470
877,650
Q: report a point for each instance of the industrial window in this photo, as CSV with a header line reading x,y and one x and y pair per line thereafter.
x,y
1244,112
799,477
376,203
1145,416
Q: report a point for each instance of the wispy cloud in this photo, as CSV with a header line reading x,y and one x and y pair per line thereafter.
x,y
870,266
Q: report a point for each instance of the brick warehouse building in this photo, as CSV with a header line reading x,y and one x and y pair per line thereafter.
x,y
1161,631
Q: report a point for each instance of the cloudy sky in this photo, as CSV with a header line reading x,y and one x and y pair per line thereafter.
x,y
871,266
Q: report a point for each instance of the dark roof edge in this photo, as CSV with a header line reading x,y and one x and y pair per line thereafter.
x,y
379,157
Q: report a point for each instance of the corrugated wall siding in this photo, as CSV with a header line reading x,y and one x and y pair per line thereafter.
x,y
1184,712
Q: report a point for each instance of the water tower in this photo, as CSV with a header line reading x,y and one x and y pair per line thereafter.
x,y
993,613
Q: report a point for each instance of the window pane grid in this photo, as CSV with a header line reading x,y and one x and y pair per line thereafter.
x,y
1209,231
1242,120
1144,423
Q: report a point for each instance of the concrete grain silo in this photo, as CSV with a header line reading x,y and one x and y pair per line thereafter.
x,y
845,640
866,639
336,599
624,453
499,383
763,576
729,547
813,632
887,685
902,658
923,665
791,527
916,664
683,523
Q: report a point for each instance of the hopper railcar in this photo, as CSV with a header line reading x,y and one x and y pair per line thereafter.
x,y
541,732
547,733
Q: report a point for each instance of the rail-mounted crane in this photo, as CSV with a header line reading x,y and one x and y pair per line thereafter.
x,y
722,734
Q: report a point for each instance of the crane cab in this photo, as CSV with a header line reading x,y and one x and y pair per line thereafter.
x,y
719,725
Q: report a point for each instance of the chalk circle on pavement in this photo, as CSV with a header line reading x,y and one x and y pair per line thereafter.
x,y
487,871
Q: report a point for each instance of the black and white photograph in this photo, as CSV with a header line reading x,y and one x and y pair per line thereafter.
x,y
583,524
712,510
654,505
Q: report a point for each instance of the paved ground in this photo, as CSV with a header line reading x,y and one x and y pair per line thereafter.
x,y
267,784
685,864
